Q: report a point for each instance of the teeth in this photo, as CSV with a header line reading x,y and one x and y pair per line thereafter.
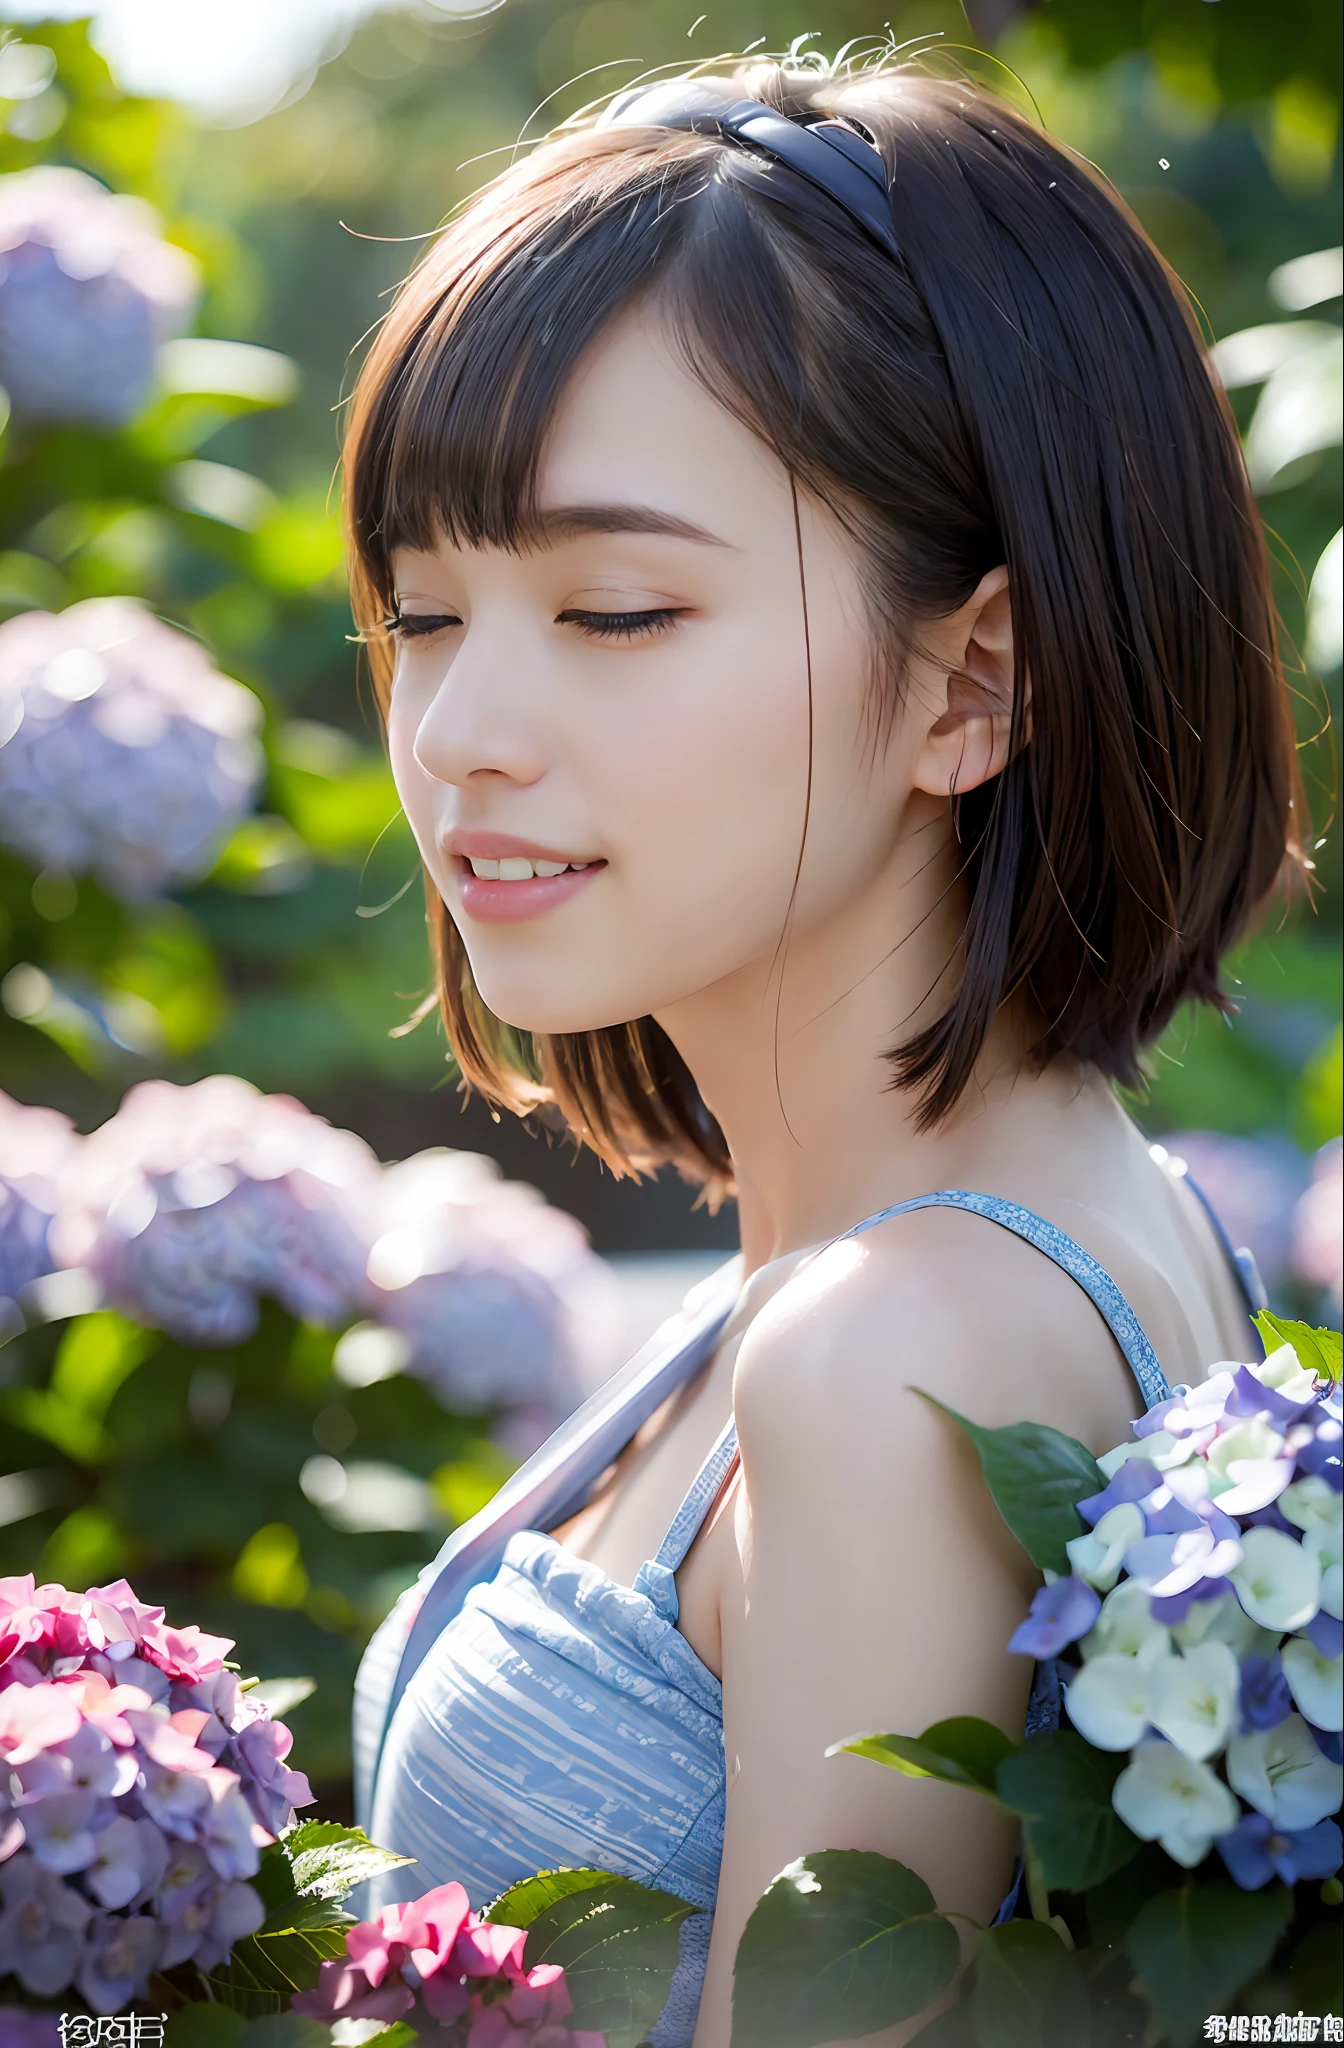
x,y
516,868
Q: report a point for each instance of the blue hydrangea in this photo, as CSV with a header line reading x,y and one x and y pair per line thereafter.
x,y
498,1296
35,1144
89,290
123,752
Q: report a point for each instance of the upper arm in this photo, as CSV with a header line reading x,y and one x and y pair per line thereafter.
x,y
880,1585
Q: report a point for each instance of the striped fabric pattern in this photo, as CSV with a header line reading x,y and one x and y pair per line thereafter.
x,y
556,1718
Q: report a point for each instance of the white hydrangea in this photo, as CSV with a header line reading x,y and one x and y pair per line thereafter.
x,y
1164,1796
1281,1773
123,752
89,290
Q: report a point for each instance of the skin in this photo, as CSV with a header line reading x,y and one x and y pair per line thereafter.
x,y
853,1574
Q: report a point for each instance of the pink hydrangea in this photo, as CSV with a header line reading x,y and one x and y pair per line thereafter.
x,y
436,1956
138,1786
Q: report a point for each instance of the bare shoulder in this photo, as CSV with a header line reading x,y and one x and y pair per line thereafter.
x,y
938,1300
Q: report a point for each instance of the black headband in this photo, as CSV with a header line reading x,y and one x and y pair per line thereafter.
x,y
832,155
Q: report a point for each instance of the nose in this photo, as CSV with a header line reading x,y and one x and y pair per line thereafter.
x,y
480,720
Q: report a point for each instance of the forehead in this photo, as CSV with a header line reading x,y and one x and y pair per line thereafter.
x,y
635,424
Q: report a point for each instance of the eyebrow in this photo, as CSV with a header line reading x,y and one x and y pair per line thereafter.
x,y
570,522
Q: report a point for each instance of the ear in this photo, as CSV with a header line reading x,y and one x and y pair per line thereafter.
x,y
968,741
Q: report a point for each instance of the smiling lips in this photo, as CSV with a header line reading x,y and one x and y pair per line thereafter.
x,y
505,881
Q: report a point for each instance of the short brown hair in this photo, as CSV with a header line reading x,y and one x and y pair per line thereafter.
x,y
1024,384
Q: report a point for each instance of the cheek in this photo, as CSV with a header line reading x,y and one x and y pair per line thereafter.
x,y
414,786
708,787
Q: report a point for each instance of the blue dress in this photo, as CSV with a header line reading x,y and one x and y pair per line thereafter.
x,y
519,1711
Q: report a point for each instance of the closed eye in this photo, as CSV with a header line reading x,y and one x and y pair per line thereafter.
x,y
419,625
621,625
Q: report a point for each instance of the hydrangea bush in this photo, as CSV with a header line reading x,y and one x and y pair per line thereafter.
x,y
89,290
1180,1785
141,1784
192,1204
178,1402
149,1851
124,753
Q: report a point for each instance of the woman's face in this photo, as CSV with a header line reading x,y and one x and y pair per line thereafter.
x,y
630,699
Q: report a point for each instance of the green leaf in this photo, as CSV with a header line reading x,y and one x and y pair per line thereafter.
x,y
204,2026
1318,1351
618,1945
328,1859
951,2029
1317,1969
962,1751
294,2030
280,1696
843,1942
523,1902
1029,1991
1061,1787
95,1355
60,1423
1194,1948
1037,1477
265,1970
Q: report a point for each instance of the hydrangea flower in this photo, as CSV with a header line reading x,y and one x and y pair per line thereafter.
x,y
1164,1796
1281,1772
435,1957
191,1203
123,752
89,290
35,1145
1216,1658
132,1774
496,1293
1256,1850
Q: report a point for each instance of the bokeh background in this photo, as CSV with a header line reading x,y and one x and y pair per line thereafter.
x,y
245,1361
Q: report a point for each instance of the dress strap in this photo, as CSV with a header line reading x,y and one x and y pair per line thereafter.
x,y
1066,1254
656,1577
1241,1260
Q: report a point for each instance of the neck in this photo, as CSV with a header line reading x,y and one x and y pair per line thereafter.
x,y
788,1054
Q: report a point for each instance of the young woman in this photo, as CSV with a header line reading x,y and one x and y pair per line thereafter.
x,y
823,629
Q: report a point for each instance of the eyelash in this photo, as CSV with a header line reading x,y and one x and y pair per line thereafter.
x,y
596,625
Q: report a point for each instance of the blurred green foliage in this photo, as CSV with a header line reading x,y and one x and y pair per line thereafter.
x,y
1220,126
135,1455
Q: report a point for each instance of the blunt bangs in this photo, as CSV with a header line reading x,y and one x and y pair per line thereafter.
x,y
1024,385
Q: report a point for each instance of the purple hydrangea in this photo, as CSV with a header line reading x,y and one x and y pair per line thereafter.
x,y
138,1783
1253,1184
498,1296
123,752
89,290
35,1145
1061,1613
192,1203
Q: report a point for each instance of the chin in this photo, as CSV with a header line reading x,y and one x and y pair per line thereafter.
x,y
553,1012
